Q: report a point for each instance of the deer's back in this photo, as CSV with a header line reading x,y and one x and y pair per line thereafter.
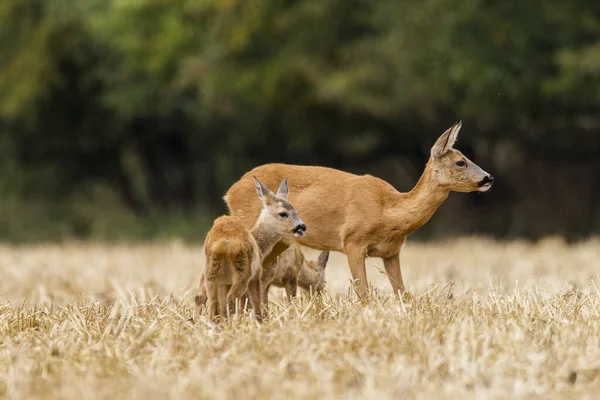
x,y
229,242
326,199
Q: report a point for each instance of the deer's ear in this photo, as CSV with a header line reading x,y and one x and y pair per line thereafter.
x,y
446,141
265,195
283,189
322,260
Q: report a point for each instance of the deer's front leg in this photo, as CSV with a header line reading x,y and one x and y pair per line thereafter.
x,y
255,290
356,261
291,288
392,269
268,274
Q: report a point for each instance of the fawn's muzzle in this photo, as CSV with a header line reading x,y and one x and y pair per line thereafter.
x,y
299,230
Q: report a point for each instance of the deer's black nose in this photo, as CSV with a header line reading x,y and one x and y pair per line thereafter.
x,y
300,228
487,180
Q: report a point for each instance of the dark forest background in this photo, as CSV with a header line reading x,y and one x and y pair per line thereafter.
x,y
129,119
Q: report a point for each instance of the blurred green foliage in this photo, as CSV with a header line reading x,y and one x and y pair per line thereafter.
x,y
131,118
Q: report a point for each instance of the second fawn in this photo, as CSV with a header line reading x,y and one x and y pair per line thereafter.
x,y
293,270
234,255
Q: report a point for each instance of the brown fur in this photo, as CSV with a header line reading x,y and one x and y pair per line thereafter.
x,y
233,260
294,270
363,215
234,254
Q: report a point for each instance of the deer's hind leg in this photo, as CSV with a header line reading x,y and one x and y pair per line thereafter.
x,y
255,290
223,290
241,278
201,298
211,282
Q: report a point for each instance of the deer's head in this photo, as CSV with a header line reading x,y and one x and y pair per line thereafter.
x,y
316,277
277,213
452,170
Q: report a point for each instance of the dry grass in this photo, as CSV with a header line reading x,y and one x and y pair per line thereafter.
x,y
488,320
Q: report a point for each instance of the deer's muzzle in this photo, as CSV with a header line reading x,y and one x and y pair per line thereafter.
x,y
299,230
486,183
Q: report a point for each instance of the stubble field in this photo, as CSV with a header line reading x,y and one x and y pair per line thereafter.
x,y
486,320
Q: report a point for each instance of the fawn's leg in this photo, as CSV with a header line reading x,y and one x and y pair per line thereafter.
x,y
200,299
239,286
268,274
223,290
212,287
255,289
235,294
291,288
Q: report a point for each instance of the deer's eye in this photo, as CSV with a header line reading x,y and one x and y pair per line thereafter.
x,y
461,163
283,214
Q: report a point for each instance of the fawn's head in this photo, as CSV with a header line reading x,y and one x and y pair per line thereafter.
x,y
452,170
317,279
277,212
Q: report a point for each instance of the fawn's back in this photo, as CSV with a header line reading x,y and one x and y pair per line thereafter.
x,y
229,243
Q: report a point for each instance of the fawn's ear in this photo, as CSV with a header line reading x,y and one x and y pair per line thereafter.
x,y
283,189
322,260
266,196
446,141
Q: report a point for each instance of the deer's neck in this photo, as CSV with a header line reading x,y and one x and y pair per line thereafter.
x,y
412,210
265,238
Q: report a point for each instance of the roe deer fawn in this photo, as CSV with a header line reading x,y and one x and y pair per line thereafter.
x,y
363,215
293,270
234,254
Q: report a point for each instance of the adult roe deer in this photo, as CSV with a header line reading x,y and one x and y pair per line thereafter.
x,y
363,215
234,253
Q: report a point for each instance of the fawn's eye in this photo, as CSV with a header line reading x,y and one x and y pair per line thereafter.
x,y
461,163
283,214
